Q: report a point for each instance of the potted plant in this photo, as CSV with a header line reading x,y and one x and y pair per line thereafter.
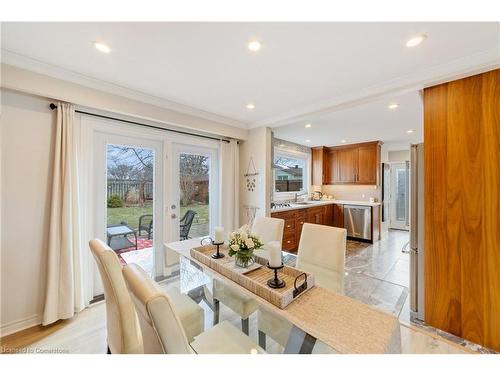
x,y
242,244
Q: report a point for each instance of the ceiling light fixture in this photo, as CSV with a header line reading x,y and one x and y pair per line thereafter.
x,y
410,131
308,140
102,47
343,141
254,46
250,106
393,106
415,41
307,125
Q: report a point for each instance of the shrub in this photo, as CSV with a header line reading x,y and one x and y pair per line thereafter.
x,y
114,201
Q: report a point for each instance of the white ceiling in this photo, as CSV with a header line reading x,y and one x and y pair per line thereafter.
x,y
360,123
303,68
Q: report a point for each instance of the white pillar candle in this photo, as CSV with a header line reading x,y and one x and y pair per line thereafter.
x,y
274,253
219,235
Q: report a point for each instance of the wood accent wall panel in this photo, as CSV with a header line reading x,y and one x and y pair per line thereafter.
x,y
462,207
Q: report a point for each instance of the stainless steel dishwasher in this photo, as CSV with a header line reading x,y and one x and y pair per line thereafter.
x,y
358,221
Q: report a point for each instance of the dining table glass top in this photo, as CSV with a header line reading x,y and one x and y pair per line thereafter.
x,y
224,303
320,320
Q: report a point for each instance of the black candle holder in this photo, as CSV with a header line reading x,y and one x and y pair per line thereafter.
x,y
275,283
217,254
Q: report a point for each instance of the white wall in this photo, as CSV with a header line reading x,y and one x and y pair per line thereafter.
x,y
257,147
27,130
22,80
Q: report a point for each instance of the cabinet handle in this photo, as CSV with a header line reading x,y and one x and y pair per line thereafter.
x,y
288,226
288,241
301,222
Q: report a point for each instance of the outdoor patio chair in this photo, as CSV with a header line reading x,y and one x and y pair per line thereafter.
x,y
146,224
185,224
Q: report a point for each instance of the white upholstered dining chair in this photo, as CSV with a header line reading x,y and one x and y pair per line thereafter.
x,y
322,253
123,330
268,229
160,316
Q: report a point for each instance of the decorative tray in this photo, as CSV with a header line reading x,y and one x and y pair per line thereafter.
x,y
254,278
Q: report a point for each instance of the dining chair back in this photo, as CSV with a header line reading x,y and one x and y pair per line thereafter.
x,y
161,325
123,330
322,252
268,229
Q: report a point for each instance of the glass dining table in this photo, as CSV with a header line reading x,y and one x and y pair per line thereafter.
x,y
317,322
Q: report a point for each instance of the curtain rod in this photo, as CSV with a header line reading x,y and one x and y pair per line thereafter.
x,y
54,106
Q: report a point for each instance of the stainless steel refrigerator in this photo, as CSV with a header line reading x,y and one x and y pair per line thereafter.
x,y
417,251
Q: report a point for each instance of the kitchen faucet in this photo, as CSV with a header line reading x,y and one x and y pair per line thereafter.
x,y
299,195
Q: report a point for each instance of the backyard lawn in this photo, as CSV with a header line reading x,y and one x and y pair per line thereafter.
x,y
131,214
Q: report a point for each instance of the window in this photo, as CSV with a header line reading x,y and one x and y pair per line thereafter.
x,y
290,172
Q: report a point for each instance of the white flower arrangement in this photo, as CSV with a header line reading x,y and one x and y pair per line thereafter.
x,y
242,244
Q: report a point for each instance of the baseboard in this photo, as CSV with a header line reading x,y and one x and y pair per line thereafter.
x,y
20,324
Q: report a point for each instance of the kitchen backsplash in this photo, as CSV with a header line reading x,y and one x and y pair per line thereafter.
x,y
353,192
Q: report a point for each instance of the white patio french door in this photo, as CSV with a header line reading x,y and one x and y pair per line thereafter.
x,y
131,173
126,193
195,191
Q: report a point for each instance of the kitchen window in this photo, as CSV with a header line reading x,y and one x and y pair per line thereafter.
x,y
290,172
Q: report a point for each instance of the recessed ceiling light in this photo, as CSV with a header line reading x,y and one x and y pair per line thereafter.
x,y
102,47
343,141
254,46
416,40
250,106
410,131
282,145
307,125
308,140
393,106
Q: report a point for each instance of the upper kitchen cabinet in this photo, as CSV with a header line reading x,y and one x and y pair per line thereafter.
x,y
356,164
320,170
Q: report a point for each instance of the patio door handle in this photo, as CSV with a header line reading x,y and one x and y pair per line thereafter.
x,y
173,216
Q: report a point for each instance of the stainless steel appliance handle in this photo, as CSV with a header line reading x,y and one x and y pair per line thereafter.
x,y
414,197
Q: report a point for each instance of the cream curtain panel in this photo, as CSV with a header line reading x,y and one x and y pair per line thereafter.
x,y
64,294
229,185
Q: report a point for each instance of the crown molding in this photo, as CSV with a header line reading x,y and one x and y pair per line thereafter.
x,y
456,69
37,66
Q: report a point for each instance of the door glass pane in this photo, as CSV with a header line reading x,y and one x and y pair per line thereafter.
x,y
194,177
130,193
401,190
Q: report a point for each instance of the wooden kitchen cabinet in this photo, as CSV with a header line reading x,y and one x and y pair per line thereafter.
x,y
368,164
347,165
320,166
295,219
338,215
356,164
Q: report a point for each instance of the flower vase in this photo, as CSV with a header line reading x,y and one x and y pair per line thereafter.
x,y
244,259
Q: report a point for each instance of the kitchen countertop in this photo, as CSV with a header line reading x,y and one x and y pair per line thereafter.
x,y
297,206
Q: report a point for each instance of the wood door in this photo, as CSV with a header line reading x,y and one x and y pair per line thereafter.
x,y
338,215
367,165
348,162
316,215
462,203
333,167
320,166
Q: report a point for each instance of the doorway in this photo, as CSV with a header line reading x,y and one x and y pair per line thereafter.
x,y
399,206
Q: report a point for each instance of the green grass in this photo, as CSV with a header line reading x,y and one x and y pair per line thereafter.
x,y
131,214
200,209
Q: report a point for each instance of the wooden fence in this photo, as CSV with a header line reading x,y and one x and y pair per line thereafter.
x,y
121,187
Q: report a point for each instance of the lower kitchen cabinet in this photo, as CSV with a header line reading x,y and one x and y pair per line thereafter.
x,y
295,219
338,215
